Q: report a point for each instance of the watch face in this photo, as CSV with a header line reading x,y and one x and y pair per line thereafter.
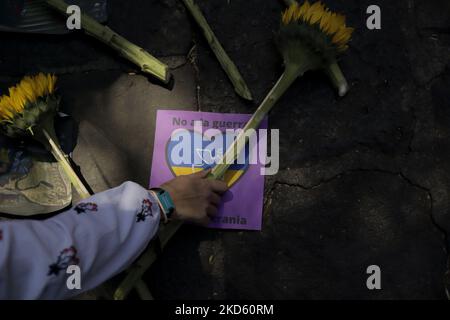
x,y
167,202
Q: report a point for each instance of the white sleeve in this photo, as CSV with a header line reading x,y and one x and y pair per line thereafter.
x,y
102,235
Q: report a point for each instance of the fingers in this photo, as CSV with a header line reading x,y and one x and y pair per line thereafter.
x,y
211,211
196,197
214,198
201,174
218,186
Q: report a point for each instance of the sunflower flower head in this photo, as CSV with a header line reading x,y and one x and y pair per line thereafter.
x,y
313,29
27,103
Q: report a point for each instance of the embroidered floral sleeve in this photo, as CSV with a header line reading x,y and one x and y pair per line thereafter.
x,y
102,236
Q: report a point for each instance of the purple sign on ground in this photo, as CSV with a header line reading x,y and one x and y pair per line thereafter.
x,y
179,152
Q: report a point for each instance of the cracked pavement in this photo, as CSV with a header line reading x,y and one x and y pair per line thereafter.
x,y
363,179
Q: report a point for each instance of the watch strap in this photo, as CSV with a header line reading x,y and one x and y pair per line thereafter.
x,y
165,202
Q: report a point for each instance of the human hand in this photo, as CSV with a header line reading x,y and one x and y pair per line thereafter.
x,y
196,198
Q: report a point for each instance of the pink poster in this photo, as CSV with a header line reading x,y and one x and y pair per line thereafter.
x,y
180,150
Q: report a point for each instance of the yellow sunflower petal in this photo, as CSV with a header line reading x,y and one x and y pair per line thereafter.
x,y
289,13
316,16
332,24
54,79
342,37
51,80
42,80
27,88
302,10
15,100
5,112
315,11
5,108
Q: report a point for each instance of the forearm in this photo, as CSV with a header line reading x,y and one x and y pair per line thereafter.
x,y
102,235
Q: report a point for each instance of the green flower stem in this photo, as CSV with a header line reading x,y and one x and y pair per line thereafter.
x,y
128,50
62,160
45,134
228,66
291,73
143,291
337,77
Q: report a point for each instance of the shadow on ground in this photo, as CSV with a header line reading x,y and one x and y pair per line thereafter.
x,y
364,179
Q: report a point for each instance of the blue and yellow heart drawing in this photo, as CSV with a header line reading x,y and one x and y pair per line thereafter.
x,y
185,156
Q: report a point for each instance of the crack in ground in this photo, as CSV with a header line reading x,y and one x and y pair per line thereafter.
x,y
429,82
178,65
409,181
405,178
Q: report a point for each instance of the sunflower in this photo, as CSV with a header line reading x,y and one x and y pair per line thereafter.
x,y
310,38
322,20
27,103
29,110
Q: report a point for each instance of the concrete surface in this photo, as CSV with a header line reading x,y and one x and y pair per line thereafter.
x,y
364,179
